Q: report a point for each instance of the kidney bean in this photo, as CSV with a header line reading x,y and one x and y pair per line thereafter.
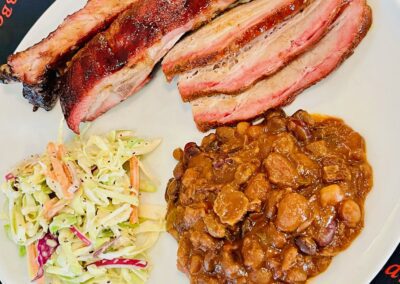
x,y
299,129
326,234
191,150
306,245
218,164
304,117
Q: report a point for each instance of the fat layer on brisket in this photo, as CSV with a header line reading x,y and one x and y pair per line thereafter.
x,y
337,45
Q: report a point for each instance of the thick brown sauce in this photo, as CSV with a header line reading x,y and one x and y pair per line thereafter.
x,y
271,203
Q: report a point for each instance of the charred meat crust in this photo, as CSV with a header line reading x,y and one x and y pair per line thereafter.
x,y
126,42
38,83
42,95
279,15
129,36
39,95
364,28
77,80
6,75
29,76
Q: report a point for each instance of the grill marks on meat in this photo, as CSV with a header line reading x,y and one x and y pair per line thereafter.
x,y
228,33
36,66
345,34
262,57
117,62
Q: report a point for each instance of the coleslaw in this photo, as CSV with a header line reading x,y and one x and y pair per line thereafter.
x,y
76,210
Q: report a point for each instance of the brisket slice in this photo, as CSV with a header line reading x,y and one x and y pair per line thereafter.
x,y
263,56
117,62
280,89
228,33
36,67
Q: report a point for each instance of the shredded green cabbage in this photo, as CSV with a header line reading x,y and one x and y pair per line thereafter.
x,y
100,209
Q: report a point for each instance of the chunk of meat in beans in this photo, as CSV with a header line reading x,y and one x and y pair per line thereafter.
x,y
214,226
292,212
281,170
268,203
230,206
260,276
256,191
289,258
252,252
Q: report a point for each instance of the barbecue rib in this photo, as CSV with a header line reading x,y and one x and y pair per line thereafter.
x,y
117,62
36,66
228,33
280,89
263,56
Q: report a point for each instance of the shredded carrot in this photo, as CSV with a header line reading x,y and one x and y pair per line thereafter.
x,y
135,183
52,207
61,151
51,175
49,204
61,177
60,172
52,149
134,174
67,173
33,264
32,260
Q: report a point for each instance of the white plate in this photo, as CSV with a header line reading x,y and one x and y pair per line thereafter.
x,y
365,91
